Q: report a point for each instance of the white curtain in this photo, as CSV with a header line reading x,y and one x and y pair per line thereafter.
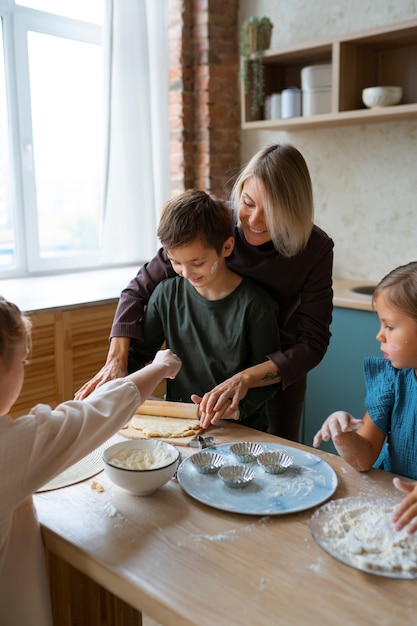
x,y
137,155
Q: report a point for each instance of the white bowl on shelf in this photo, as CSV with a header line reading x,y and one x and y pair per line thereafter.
x,y
373,97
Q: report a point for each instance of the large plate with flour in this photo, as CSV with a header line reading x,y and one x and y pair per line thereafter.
x,y
358,532
307,483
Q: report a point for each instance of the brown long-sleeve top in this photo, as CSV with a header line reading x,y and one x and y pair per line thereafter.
x,y
301,284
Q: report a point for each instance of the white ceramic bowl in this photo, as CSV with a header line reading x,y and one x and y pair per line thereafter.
x,y
152,463
381,96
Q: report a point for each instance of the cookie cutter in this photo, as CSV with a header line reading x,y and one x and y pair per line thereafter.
x,y
202,442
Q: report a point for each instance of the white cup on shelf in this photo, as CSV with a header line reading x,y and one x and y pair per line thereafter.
x,y
275,105
290,102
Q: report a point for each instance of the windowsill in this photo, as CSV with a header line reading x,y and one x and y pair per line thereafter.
x,y
64,291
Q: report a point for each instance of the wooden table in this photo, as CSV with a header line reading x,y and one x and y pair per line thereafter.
x,y
186,564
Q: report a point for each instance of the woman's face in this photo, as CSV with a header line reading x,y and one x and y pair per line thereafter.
x,y
251,214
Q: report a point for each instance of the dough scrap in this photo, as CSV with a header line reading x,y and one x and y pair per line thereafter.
x,y
170,427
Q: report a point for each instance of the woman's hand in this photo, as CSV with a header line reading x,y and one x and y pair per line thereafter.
x,y
212,418
114,367
336,424
111,370
406,512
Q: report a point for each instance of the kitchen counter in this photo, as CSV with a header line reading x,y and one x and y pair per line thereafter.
x,y
344,297
184,563
65,291
75,290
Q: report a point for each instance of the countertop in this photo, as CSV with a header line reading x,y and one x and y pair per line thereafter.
x,y
345,298
184,563
65,291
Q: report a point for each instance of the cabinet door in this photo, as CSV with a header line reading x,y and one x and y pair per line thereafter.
x,y
87,330
337,383
41,381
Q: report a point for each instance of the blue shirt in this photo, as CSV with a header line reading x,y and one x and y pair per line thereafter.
x,y
391,402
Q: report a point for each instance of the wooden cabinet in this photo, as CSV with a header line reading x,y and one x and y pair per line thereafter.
x,y
386,56
68,348
338,383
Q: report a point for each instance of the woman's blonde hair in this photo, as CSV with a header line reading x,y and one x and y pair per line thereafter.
x,y
15,327
400,288
284,183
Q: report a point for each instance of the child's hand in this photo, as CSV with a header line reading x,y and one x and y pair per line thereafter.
x,y
212,418
170,360
336,424
406,511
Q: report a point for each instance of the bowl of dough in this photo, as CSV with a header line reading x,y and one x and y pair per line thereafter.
x,y
374,97
141,466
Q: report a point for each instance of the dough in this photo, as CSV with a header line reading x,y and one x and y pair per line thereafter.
x,y
157,426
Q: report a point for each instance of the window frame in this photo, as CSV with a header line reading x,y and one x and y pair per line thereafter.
x,y
17,22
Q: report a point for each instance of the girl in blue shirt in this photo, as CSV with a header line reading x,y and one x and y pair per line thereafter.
x,y
386,437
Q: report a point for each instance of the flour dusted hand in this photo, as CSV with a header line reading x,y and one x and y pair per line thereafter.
x,y
336,424
405,513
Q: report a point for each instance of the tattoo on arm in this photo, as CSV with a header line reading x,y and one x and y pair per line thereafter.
x,y
270,376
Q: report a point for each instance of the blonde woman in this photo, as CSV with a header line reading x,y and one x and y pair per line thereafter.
x,y
278,246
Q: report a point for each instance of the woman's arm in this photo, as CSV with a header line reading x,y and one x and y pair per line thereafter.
x,y
126,323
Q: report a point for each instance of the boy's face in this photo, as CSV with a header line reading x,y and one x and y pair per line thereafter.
x,y
198,263
11,377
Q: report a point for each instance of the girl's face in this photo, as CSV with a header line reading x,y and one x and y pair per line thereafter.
x,y
397,334
251,214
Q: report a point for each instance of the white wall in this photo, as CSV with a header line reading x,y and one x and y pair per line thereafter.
x,y
365,176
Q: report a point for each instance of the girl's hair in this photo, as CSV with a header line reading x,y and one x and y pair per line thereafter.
x,y
14,328
194,215
284,184
400,287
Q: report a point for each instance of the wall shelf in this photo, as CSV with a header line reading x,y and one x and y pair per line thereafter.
x,y
385,56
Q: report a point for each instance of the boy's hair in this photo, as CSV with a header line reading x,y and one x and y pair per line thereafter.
x,y
15,327
400,287
284,185
193,215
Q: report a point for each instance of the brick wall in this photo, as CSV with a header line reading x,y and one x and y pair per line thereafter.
x,y
204,95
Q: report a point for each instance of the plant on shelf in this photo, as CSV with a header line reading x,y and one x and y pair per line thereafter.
x,y
255,38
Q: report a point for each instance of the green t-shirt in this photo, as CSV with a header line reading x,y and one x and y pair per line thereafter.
x,y
214,339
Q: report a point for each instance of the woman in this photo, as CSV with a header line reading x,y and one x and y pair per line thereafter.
x,y
279,247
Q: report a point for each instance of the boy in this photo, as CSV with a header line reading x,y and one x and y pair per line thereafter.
x,y
216,321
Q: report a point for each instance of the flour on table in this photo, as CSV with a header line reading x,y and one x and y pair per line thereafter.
x,y
363,533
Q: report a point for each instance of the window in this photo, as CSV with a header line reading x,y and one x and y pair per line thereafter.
x,y
84,133
51,134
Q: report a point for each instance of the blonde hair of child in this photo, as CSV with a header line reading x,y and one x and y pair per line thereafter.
x,y
15,327
400,288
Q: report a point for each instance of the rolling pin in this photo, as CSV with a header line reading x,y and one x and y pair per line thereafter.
x,y
163,408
